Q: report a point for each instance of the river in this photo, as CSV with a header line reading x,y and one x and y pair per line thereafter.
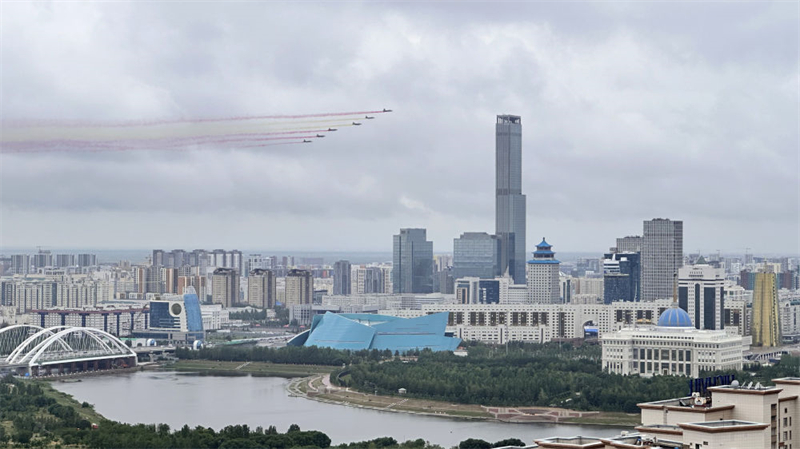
x,y
211,401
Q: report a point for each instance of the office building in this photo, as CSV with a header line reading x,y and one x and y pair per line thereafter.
x,y
342,278
412,268
509,200
672,348
662,256
629,244
621,277
225,287
158,258
766,328
476,254
261,289
175,318
299,287
701,293
543,276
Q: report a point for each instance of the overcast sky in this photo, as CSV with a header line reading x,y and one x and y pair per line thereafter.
x,y
629,112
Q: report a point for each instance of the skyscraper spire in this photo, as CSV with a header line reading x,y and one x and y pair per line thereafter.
x,y
510,202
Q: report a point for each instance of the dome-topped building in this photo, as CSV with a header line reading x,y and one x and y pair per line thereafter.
x,y
674,317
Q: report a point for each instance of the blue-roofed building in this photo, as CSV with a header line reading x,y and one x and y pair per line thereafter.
x,y
175,318
543,272
367,331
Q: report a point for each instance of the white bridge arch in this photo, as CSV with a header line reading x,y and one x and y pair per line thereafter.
x,y
65,346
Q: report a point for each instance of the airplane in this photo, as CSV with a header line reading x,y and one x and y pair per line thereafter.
x,y
332,129
320,135
368,117
356,124
387,110
306,141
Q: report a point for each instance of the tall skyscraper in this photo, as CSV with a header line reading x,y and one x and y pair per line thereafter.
x,y
65,260
701,293
42,259
476,254
412,268
341,277
766,328
261,289
543,276
510,202
158,258
662,256
225,287
87,260
299,287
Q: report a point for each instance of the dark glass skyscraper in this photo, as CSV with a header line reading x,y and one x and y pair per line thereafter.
x,y
510,202
412,262
341,277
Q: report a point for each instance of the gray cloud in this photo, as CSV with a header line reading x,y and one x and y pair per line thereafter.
x,y
630,111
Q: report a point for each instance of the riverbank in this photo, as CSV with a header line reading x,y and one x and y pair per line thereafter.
x,y
219,368
319,388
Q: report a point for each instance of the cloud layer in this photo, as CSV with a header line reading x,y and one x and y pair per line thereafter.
x,y
629,112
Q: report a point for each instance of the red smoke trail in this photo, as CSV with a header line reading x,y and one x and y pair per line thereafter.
x,y
128,124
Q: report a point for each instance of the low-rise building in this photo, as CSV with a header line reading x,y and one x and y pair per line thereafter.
x,y
672,347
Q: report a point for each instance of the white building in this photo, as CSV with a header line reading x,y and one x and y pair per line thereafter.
x,y
213,316
543,276
701,289
673,347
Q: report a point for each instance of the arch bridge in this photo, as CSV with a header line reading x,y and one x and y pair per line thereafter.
x,y
36,351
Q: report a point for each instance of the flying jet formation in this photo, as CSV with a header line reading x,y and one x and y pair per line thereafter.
x,y
42,136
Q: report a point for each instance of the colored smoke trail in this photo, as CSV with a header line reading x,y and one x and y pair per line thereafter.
x,y
165,135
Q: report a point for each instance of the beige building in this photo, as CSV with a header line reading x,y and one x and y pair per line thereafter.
x,y
299,287
225,287
261,289
729,417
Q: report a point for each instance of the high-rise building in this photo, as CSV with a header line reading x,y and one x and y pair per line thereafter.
x,y
87,260
341,278
662,256
766,328
170,279
158,258
631,243
701,293
621,277
261,289
476,254
65,260
543,279
412,269
42,259
20,264
299,287
510,202
199,283
225,287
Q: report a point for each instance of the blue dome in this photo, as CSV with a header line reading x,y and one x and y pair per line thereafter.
x,y
675,317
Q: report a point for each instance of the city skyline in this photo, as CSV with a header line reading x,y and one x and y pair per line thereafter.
x,y
640,116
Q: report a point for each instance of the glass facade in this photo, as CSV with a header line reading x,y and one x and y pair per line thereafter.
x,y
476,254
621,277
510,202
412,268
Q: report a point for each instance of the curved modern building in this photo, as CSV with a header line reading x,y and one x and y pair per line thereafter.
x,y
357,331
175,317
